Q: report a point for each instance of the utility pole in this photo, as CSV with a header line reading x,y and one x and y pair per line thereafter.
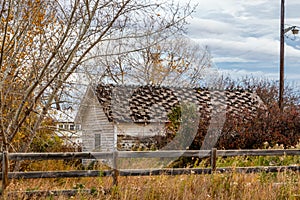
x,y
281,77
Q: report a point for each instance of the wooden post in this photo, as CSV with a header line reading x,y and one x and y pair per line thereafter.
x,y
213,159
115,168
4,170
281,59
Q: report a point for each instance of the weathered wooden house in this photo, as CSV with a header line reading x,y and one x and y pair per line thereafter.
x,y
109,111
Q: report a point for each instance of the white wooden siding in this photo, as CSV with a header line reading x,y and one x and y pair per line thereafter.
x,y
94,122
140,130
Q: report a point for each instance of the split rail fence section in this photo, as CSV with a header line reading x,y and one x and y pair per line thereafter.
x,y
115,172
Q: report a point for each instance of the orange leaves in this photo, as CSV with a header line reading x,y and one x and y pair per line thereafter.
x,y
34,13
22,25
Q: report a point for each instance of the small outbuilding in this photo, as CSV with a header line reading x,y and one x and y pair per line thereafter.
x,y
133,113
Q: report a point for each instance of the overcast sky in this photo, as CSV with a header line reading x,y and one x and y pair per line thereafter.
x,y
243,36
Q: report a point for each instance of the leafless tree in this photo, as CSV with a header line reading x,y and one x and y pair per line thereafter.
x,y
171,61
42,44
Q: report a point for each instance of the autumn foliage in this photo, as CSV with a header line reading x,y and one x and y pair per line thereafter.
x,y
22,26
270,126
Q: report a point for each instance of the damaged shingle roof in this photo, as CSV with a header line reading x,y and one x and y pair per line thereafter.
x,y
153,103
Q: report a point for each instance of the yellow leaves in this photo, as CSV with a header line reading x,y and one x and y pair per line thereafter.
x,y
29,23
24,41
34,13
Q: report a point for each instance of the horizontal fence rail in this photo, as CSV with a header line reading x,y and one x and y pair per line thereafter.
x,y
149,154
146,172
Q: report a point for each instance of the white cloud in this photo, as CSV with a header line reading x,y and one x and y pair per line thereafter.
x,y
239,74
231,59
209,27
246,34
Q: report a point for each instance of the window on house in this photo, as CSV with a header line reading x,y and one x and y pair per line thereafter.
x,y
97,141
61,126
66,126
77,127
72,127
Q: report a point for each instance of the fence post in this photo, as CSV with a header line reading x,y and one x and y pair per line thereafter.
x,y
4,170
213,159
115,168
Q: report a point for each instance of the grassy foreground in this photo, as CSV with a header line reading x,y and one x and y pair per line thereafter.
x,y
264,186
285,185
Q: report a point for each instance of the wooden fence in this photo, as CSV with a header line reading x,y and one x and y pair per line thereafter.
x,y
213,154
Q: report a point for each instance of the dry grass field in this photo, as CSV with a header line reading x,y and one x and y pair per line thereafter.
x,y
284,185
223,186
